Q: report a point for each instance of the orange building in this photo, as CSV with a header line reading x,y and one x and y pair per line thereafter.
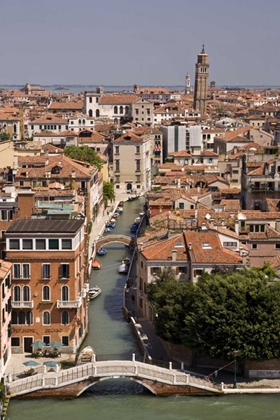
x,y
49,293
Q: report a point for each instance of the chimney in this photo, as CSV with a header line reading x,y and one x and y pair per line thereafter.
x,y
174,255
190,246
73,174
215,226
46,161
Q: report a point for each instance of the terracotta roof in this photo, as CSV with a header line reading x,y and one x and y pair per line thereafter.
x,y
162,249
206,248
118,99
67,105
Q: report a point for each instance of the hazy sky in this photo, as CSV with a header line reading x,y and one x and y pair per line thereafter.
x,y
149,42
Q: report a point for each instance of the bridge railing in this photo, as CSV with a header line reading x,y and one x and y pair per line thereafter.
x,y
105,369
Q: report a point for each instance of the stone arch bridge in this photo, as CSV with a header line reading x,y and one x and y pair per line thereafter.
x,y
73,382
124,239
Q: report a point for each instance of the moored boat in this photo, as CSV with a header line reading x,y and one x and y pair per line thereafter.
x,y
119,209
101,251
94,292
96,265
123,268
134,228
86,355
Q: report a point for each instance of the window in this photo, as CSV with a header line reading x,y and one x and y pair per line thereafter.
x,y
115,109
121,109
40,244
46,293
64,293
29,318
25,271
117,162
137,165
197,273
16,293
21,318
66,243
117,150
155,271
46,271
16,271
181,206
229,244
90,99
65,318
46,339
14,243
137,149
136,111
53,244
15,341
64,271
254,246
26,293
65,340
277,246
14,318
46,318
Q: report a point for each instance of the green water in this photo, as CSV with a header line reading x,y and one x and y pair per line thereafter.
x,y
111,338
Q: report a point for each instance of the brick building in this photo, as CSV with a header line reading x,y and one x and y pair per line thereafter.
x,y
48,282
5,314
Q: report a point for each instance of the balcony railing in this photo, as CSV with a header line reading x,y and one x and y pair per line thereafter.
x,y
69,303
22,304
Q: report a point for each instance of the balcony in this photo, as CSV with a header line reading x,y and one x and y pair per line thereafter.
x,y
22,304
62,304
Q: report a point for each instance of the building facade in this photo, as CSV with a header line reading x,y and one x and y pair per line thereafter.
x,y
49,293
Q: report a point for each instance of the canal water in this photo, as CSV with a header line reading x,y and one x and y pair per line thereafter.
x,y
111,337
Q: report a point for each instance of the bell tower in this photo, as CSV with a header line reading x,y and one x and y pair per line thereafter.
x,y
201,82
187,84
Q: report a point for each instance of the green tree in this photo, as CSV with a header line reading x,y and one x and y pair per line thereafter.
x,y
85,154
169,299
238,310
5,136
108,192
223,312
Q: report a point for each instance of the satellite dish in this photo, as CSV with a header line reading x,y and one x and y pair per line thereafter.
x,y
207,216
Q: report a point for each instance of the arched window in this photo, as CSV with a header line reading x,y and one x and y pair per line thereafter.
x,y
84,121
121,109
21,318
90,113
17,293
79,121
65,318
29,318
97,113
46,318
26,293
126,110
115,109
65,293
46,293
14,317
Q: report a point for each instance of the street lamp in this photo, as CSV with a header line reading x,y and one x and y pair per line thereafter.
x,y
235,354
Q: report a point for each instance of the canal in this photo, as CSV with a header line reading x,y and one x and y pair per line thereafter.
x,y
111,337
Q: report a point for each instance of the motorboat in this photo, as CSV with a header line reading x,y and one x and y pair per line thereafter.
x,y
119,209
111,225
137,220
96,265
107,229
101,251
123,268
86,356
116,214
94,292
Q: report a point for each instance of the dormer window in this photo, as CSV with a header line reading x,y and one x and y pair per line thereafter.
x,y
56,170
179,244
206,245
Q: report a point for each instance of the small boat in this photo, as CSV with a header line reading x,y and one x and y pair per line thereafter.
x,y
116,214
113,220
101,251
107,229
123,268
94,292
119,209
141,214
96,265
134,228
86,356
110,225
137,220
